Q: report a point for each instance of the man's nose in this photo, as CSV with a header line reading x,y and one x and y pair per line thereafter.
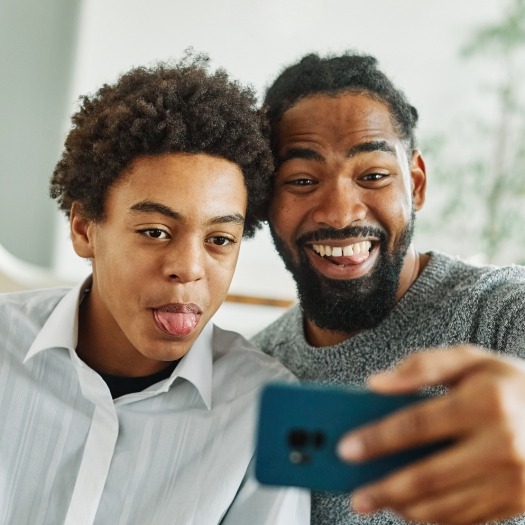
x,y
339,206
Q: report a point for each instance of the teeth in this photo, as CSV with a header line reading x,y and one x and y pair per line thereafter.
x,y
342,251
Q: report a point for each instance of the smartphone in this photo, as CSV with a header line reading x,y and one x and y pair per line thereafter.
x,y
300,425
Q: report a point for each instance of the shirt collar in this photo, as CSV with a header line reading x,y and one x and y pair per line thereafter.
x,y
61,328
61,331
196,365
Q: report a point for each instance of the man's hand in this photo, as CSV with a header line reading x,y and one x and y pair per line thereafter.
x,y
481,476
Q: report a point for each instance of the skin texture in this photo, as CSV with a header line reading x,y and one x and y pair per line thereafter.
x,y
481,476
171,235
319,184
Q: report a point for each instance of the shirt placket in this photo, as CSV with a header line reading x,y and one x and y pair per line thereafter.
x,y
98,451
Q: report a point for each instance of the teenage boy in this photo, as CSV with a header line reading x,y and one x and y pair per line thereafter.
x,y
120,402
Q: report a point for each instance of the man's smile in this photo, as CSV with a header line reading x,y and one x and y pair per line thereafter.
x,y
343,259
353,250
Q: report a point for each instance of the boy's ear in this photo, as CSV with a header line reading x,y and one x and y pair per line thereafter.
x,y
81,232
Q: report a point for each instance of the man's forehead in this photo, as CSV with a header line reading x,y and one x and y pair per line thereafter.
x,y
340,114
347,122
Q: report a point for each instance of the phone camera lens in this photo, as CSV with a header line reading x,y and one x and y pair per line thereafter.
x,y
299,458
318,439
297,438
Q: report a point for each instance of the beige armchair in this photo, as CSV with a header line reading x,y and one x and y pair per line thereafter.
x,y
16,274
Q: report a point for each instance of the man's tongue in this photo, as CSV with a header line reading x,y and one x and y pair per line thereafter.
x,y
348,259
176,323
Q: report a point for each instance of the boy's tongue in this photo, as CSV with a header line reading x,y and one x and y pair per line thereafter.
x,y
177,320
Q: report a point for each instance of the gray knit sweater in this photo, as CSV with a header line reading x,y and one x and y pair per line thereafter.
x,y
450,303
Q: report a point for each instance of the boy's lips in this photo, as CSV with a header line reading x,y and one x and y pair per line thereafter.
x,y
177,319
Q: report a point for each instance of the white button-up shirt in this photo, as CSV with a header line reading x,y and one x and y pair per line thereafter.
x,y
179,452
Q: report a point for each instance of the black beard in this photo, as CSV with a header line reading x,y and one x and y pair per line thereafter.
x,y
355,304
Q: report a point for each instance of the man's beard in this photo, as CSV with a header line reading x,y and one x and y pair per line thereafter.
x,y
349,305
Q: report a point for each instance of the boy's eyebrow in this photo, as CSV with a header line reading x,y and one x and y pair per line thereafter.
x,y
235,218
363,147
157,207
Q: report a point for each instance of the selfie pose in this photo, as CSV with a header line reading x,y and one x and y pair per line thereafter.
x,y
349,181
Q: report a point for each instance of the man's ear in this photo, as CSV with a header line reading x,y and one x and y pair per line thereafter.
x,y
81,232
419,179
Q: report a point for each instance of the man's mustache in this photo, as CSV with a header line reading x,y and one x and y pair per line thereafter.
x,y
324,234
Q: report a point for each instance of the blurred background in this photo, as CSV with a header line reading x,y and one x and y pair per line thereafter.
x,y
461,63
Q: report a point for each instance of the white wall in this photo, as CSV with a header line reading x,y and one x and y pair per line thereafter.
x,y
37,48
415,41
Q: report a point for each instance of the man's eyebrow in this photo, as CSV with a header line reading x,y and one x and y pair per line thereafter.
x,y
300,153
374,145
363,147
157,207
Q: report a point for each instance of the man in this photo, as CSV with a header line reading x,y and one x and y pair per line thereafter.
x,y
120,402
348,182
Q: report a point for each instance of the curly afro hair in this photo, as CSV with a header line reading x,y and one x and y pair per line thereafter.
x,y
333,75
164,109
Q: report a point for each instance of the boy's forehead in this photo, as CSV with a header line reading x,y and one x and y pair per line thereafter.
x,y
178,181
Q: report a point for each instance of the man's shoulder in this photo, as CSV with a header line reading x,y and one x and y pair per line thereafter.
x,y
483,297
454,273
285,328
247,356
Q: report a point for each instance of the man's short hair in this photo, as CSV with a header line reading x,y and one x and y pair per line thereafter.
x,y
182,108
333,75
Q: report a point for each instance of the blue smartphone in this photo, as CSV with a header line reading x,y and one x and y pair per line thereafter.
x,y
299,428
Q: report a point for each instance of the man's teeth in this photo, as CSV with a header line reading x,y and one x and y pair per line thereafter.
x,y
342,251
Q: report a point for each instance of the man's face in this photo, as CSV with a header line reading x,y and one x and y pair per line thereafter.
x,y
343,210
164,255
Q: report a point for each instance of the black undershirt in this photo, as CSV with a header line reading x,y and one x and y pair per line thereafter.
x,y
120,386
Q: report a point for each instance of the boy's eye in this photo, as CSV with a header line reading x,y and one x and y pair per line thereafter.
x,y
155,233
220,240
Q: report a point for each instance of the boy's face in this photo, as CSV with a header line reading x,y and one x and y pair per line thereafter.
x,y
163,258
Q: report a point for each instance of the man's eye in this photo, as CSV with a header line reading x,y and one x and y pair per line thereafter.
x,y
155,233
220,240
374,176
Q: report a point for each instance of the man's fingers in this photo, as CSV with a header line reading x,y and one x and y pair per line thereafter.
x,y
480,476
491,400
460,464
471,504
431,367
485,498
424,422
